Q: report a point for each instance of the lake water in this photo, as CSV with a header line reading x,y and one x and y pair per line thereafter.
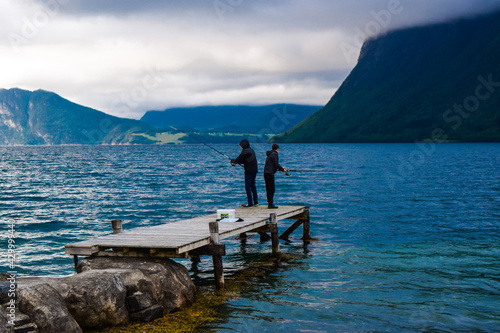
x,y
409,235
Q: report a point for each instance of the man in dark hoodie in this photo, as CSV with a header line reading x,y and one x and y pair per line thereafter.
x,y
272,165
249,161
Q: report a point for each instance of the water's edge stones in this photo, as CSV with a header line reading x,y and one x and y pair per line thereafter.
x,y
104,292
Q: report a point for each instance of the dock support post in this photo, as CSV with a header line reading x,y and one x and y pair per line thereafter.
x,y
273,227
117,226
75,260
117,229
306,227
303,219
216,258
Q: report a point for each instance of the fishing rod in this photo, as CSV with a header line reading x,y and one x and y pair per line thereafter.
x,y
287,173
309,170
221,153
203,143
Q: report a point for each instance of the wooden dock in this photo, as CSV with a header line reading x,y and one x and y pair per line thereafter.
x,y
194,237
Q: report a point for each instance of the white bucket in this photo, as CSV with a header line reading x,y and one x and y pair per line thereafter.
x,y
225,214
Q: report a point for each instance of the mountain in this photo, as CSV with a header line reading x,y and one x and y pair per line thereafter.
x,y
268,119
42,117
438,82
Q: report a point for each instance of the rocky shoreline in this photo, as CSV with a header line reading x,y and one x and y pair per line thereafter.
x,y
104,292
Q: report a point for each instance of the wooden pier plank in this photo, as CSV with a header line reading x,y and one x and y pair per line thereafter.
x,y
185,235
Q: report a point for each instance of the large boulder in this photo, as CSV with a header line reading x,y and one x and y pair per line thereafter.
x,y
46,307
105,292
165,281
95,298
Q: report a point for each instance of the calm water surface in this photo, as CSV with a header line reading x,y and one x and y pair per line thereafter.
x,y
409,235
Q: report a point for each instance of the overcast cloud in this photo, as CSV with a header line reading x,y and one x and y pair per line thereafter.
x,y
125,57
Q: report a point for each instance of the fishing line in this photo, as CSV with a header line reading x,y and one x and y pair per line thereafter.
x,y
221,153
309,170
203,143
287,173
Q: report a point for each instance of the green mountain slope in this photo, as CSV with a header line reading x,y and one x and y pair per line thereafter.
x,y
42,117
439,82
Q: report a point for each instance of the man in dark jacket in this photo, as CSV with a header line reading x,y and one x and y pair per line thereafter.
x,y
249,161
272,165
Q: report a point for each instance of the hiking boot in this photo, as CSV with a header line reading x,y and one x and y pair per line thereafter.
x,y
272,207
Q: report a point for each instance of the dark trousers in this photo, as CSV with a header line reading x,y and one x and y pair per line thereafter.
x,y
251,189
269,180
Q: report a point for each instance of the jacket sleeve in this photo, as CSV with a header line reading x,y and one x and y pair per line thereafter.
x,y
277,166
240,159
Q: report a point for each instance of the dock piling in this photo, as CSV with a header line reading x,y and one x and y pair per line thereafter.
x,y
306,226
117,226
273,227
216,258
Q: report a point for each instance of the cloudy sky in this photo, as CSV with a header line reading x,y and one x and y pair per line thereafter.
x,y
125,57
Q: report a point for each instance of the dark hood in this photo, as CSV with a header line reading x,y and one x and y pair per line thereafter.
x,y
244,144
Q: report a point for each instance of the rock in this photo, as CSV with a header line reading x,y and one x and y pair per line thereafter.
x,y
21,320
4,276
46,307
138,302
101,292
167,282
95,298
149,314
4,326
27,328
7,287
15,322
141,308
